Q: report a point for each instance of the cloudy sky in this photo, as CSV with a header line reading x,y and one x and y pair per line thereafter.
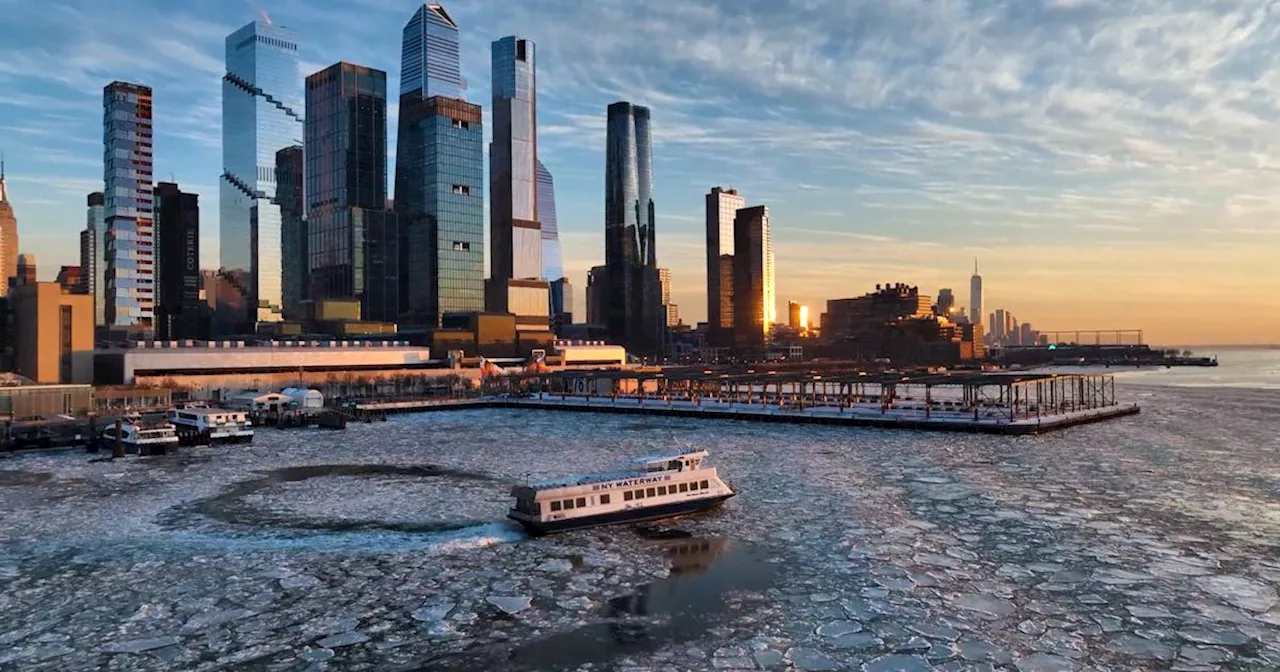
x,y
1112,164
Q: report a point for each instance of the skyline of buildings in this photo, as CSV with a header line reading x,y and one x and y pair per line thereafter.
x,y
641,239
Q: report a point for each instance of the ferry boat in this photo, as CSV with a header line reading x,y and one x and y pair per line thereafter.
x,y
141,436
200,425
664,486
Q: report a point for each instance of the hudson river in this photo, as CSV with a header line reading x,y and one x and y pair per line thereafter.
x,y
1148,543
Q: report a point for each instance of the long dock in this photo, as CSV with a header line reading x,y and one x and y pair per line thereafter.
x,y
1008,404
859,416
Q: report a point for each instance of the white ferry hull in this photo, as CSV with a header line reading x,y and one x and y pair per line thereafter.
x,y
676,509
140,446
189,436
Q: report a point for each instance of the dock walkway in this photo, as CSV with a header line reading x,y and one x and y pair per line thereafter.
x,y
989,421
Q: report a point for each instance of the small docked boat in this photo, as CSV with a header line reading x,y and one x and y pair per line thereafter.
x,y
140,435
664,486
199,425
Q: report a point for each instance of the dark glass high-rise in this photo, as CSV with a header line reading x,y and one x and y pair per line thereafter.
x,y
352,240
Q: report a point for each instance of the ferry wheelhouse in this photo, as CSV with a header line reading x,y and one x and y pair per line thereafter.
x,y
142,436
664,486
199,425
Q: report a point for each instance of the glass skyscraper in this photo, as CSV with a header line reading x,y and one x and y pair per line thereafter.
x,y
517,284
722,206
290,173
552,260
560,291
439,188
130,239
352,241
261,114
753,291
633,308
429,62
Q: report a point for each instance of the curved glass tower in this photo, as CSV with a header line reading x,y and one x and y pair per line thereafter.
x,y
633,306
552,261
261,115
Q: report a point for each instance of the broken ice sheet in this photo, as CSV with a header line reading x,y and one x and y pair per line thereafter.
x,y
911,538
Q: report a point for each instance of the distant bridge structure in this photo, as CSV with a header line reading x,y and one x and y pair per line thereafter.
x,y
1094,336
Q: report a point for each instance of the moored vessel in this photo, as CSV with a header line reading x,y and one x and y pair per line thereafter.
x,y
198,425
663,486
144,436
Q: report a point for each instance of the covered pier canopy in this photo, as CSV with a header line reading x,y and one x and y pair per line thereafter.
x,y
1015,394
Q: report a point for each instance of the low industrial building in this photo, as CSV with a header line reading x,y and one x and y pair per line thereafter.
x,y
27,400
52,333
243,365
590,355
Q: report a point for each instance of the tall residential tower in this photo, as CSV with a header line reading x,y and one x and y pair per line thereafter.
x,y
93,255
753,291
130,240
261,114
180,313
722,206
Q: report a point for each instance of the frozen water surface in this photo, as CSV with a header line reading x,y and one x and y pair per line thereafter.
x,y
1145,543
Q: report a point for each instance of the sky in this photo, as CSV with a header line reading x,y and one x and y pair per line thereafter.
x,y
1109,164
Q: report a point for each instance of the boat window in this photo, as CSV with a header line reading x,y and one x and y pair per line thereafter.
x,y
674,465
704,485
662,490
640,493
555,506
582,502
684,487
604,499
568,504
626,496
650,492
